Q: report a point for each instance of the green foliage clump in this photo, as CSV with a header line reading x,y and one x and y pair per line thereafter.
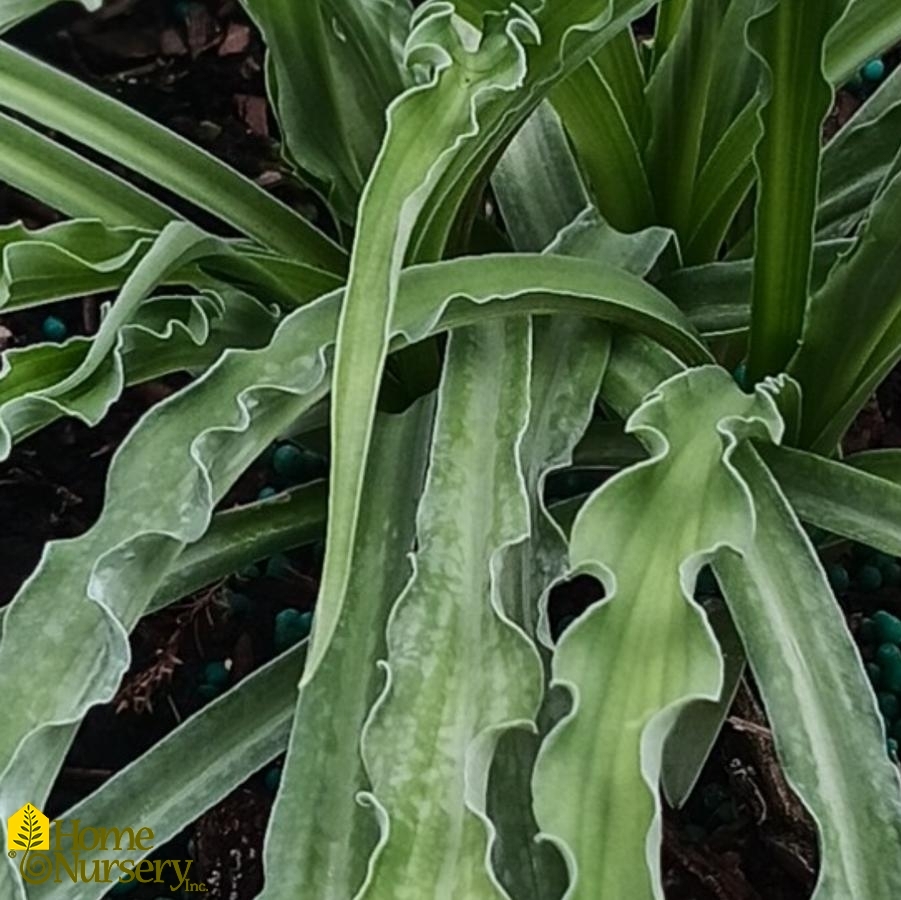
x,y
547,250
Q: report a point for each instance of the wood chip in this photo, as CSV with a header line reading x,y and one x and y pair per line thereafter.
x,y
172,43
254,112
269,178
237,40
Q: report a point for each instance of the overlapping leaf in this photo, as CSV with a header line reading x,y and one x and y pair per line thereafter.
x,y
861,348
64,104
198,442
634,660
433,732
795,97
857,159
424,125
69,259
587,102
825,722
334,66
842,499
320,838
200,762
246,534
83,377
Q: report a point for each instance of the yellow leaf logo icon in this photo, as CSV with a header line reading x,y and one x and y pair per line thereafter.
x,y
28,829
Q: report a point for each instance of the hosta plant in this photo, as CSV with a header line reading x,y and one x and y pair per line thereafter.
x,y
555,237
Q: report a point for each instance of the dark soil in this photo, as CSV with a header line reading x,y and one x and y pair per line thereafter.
x,y
198,68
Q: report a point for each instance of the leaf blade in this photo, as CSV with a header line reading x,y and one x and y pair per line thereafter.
x,y
788,38
812,688
65,104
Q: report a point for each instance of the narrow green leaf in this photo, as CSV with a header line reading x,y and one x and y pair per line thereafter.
x,y
857,160
636,658
200,762
678,96
827,729
333,68
869,28
64,104
588,106
883,463
669,21
795,96
722,186
61,178
843,500
245,535
717,296
620,64
65,260
730,133
842,358
735,79
320,839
